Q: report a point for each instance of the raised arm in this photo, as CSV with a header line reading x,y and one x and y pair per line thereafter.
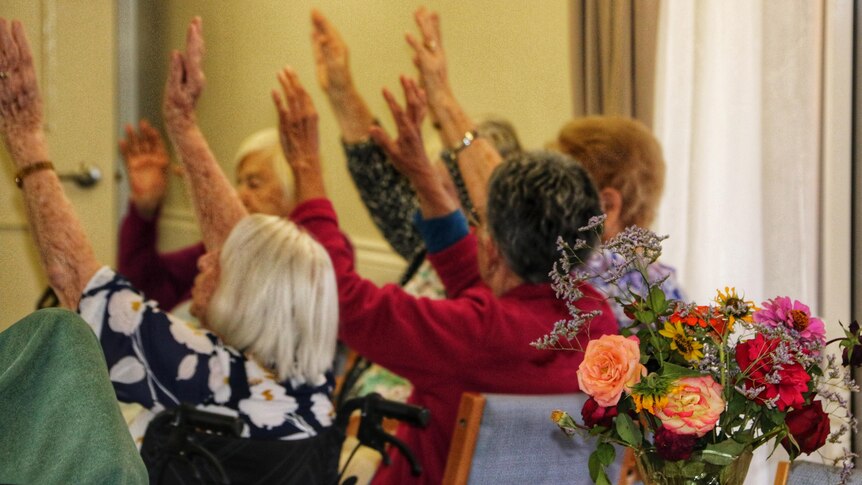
x,y
386,193
408,152
147,167
64,249
333,73
476,157
297,123
216,203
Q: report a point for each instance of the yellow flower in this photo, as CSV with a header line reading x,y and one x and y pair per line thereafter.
x,y
651,402
681,342
734,306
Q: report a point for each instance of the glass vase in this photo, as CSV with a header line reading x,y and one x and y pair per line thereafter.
x,y
693,471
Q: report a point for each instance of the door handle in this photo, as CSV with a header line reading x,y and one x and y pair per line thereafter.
x,y
86,176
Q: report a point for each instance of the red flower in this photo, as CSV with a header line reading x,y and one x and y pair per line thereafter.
x,y
594,414
672,447
756,362
809,426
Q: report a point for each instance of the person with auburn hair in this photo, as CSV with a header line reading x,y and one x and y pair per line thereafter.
x,y
626,162
265,294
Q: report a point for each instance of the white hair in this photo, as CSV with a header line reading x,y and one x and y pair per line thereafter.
x,y
276,298
268,143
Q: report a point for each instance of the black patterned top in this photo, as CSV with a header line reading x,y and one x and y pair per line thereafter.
x,y
390,199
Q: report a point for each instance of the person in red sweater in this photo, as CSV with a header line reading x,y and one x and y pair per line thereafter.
x,y
500,298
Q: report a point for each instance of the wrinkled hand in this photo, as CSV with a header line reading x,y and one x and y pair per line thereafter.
x,y
185,80
297,122
147,165
20,102
408,151
428,55
330,55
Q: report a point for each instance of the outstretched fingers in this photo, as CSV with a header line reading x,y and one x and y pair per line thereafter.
x,y
194,56
429,26
417,105
20,104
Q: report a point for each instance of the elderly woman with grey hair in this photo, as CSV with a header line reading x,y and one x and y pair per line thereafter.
x,y
264,185
266,354
500,297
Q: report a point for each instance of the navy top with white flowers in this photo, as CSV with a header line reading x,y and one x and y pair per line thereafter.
x,y
159,361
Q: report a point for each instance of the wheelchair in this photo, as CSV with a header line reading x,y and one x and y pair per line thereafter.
x,y
184,446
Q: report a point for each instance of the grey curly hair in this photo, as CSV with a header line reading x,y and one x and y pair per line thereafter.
x,y
534,197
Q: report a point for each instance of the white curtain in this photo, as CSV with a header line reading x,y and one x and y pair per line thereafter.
x,y
738,114
739,100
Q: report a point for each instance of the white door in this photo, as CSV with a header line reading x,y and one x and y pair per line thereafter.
x,y
74,45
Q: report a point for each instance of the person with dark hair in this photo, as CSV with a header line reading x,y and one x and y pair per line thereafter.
x,y
497,280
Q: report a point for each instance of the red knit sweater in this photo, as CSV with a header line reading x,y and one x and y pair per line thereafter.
x,y
472,341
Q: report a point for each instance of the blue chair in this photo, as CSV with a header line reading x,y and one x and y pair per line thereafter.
x,y
509,438
810,473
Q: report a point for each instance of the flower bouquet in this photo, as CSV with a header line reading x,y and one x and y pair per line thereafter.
x,y
694,389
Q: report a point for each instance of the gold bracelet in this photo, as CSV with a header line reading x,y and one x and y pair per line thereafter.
x,y
33,167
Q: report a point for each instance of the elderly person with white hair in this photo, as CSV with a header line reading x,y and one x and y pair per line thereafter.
x,y
263,355
264,184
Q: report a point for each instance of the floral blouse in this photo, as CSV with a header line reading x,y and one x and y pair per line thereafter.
x,y
158,361
600,262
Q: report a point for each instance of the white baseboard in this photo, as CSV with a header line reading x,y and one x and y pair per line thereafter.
x,y
376,261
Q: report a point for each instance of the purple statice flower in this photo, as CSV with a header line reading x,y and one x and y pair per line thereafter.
x,y
792,314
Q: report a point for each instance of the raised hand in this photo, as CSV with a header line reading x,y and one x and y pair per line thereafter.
x,y
147,165
330,55
408,151
186,80
20,101
297,123
428,55
333,73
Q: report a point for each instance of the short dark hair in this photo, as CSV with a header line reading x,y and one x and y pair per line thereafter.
x,y
533,198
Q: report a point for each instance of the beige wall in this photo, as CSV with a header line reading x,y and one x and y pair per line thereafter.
x,y
506,58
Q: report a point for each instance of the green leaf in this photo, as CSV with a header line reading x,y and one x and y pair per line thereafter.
x,y
603,478
657,300
644,316
606,453
628,431
595,465
693,468
673,371
723,453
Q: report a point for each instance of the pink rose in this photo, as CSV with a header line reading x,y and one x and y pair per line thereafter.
x,y
611,364
693,406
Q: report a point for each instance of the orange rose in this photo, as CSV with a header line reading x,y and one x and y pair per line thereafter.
x,y
611,365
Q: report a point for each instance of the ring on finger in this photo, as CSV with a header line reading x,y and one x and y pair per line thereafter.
x,y
431,45
4,74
